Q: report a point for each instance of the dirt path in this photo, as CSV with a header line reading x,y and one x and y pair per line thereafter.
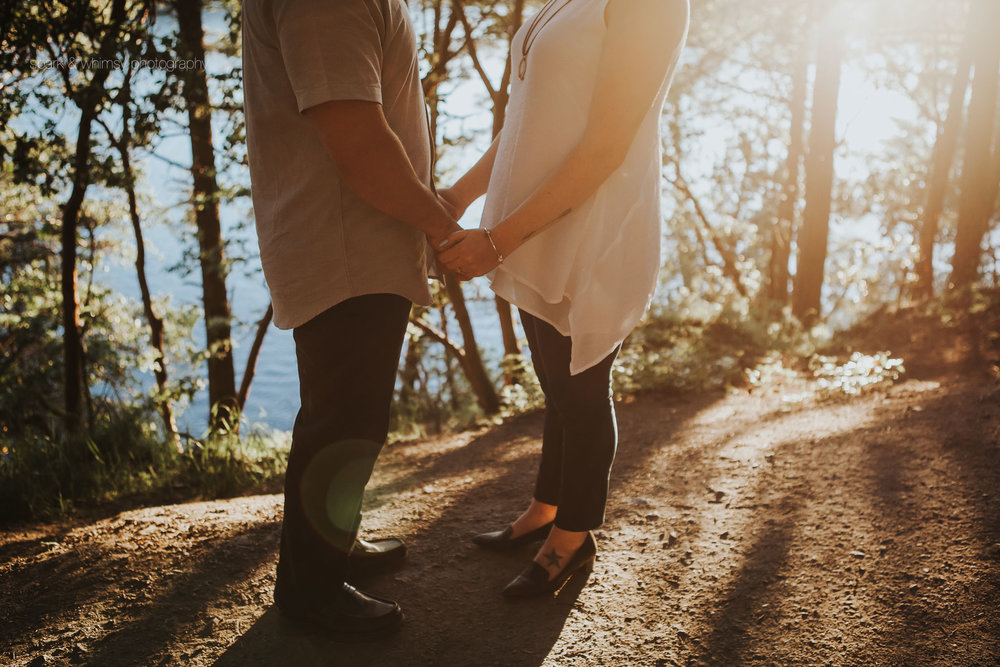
x,y
743,529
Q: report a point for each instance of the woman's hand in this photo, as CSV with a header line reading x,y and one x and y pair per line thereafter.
x,y
468,254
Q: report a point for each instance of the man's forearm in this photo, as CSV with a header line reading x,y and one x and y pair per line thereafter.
x,y
372,162
384,177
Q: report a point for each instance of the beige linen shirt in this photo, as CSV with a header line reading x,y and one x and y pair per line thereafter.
x,y
319,242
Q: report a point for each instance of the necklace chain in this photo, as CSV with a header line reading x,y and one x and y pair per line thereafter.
x,y
533,30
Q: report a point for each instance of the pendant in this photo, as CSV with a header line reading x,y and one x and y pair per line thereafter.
x,y
522,68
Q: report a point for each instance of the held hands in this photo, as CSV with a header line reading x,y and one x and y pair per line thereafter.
x,y
468,253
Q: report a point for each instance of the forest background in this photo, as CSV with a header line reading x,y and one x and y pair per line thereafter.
x,y
824,163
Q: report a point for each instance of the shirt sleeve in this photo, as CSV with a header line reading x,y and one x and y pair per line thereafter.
x,y
331,50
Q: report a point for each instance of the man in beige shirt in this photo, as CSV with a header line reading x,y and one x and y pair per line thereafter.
x,y
340,165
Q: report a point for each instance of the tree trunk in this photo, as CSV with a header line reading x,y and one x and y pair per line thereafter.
x,y
450,350
410,373
806,304
205,193
937,183
499,97
123,144
511,346
88,101
978,191
472,362
72,344
251,368
784,228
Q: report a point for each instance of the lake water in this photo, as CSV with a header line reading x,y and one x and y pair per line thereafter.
x,y
273,398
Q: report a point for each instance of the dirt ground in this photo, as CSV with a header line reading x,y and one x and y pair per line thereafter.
x,y
743,528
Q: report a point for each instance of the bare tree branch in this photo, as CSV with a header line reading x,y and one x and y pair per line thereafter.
x,y
452,348
251,367
728,256
470,47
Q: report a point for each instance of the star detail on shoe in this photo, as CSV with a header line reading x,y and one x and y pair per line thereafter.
x,y
553,558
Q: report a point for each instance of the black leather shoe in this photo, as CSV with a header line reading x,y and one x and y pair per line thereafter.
x,y
500,540
372,557
534,580
348,613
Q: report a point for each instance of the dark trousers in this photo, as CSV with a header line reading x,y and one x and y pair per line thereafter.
x,y
347,360
580,434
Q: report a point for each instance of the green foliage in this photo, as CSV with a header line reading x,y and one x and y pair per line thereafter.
x,y
741,348
230,463
433,394
862,373
30,372
47,473
125,459
524,394
124,449
697,346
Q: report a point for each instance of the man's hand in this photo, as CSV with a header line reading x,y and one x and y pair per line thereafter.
x,y
440,241
468,253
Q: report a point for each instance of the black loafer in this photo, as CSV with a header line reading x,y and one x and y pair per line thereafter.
x,y
348,614
534,580
372,557
501,540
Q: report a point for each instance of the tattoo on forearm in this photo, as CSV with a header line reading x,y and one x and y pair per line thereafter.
x,y
535,231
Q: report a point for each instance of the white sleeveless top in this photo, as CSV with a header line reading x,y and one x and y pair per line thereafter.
x,y
591,274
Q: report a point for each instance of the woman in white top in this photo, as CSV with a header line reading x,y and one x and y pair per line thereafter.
x,y
570,234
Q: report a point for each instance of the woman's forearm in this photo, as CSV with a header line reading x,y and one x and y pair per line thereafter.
x,y
574,181
474,182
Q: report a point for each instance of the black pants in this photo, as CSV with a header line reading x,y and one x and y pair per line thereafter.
x,y
347,360
581,434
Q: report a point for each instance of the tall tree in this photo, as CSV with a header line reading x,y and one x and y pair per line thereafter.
x,y
123,143
471,360
205,198
940,169
440,53
978,183
813,236
88,96
784,227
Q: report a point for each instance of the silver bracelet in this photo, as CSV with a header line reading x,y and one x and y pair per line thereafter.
x,y
489,237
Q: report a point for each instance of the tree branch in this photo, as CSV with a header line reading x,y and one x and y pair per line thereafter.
x,y
728,257
452,348
470,47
